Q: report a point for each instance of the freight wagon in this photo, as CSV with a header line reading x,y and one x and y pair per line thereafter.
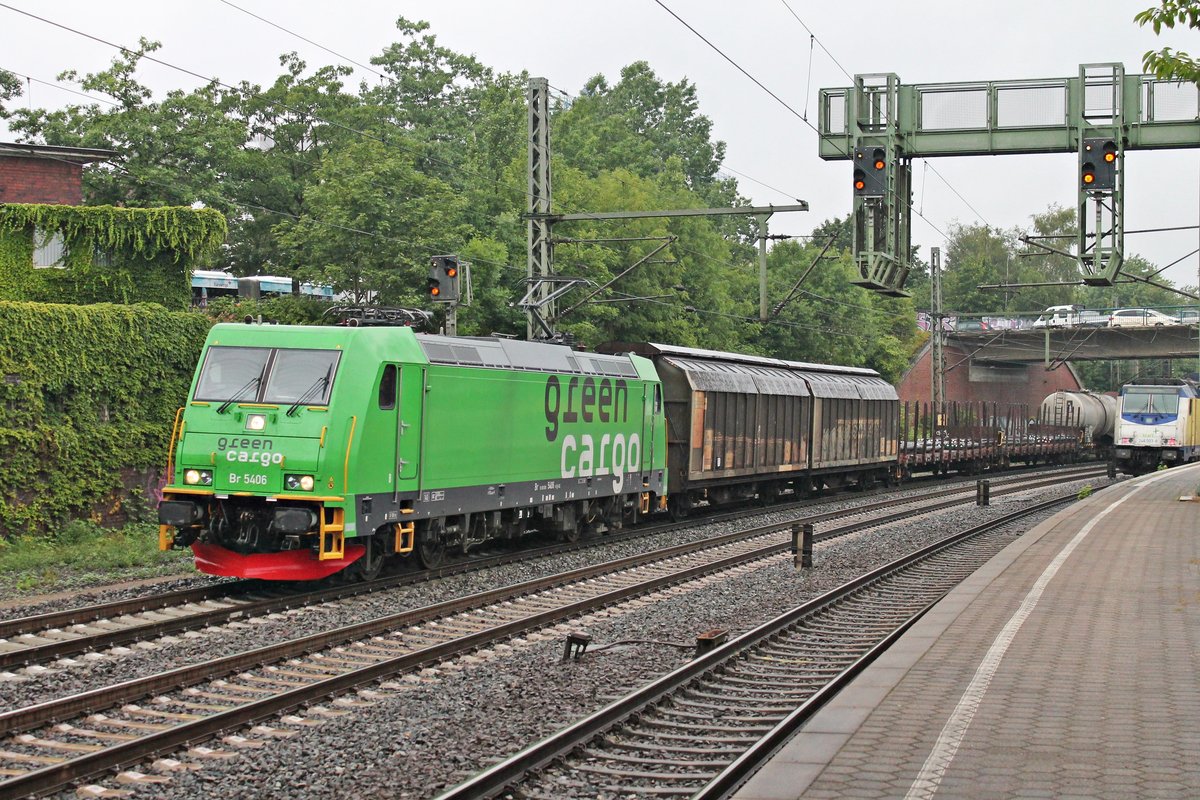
x,y
742,426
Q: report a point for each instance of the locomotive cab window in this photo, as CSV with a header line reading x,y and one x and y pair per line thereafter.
x,y
301,376
1142,401
265,375
232,373
387,388
657,398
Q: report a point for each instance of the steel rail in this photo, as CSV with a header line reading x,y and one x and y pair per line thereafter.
x,y
56,710
58,775
503,776
234,591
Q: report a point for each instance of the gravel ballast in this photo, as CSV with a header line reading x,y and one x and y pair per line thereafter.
x,y
423,733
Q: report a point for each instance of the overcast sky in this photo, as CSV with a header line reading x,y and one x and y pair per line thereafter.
x,y
923,41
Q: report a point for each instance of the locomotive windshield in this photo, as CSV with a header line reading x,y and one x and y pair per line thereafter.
x,y
1150,401
266,375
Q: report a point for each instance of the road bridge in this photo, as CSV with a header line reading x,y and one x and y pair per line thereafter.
x,y
1056,345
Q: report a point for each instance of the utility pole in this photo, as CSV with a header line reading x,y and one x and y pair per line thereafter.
x,y
539,245
762,266
545,288
937,360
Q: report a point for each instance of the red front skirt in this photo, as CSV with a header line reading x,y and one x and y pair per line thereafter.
x,y
287,565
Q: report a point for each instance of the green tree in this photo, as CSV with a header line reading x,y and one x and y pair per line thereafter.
x,y
371,220
173,152
10,88
1166,63
288,129
640,124
975,255
1056,227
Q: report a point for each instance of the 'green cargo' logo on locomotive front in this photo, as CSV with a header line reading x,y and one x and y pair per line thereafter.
x,y
245,450
587,402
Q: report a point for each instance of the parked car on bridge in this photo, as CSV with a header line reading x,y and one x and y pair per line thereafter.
x,y
1070,317
1140,318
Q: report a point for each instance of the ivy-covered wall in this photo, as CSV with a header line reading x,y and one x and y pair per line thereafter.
x,y
88,395
114,255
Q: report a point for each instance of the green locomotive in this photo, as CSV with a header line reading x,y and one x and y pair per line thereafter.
x,y
304,451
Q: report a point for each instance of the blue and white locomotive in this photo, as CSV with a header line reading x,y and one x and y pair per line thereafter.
x,y
1158,424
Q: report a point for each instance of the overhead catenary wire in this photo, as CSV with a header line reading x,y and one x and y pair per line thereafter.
x,y
253,206
569,98
306,39
306,113
793,111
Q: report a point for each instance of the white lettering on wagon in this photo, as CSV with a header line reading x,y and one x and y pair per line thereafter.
x,y
615,456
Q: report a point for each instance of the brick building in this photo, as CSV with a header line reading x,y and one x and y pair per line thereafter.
x,y
994,383
38,173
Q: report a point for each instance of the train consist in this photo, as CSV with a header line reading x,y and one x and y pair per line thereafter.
x,y
308,451
1159,424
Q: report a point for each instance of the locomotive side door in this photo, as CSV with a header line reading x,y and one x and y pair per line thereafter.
x,y
653,409
408,426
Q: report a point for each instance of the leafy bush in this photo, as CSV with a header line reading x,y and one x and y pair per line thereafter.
x,y
89,393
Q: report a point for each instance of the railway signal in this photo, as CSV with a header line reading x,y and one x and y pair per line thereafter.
x,y
444,279
870,172
1098,165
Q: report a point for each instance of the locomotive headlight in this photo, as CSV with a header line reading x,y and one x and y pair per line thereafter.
x,y
304,483
198,477
256,422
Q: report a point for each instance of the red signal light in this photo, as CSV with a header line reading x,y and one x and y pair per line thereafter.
x,y
1089,177
434,291
1110,157
451,270
860,184
879,165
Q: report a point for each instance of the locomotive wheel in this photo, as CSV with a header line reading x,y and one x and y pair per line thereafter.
x,y
572,534
368,567
431,544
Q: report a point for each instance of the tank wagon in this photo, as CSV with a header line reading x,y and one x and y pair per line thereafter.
x,y
741,426
1159,424
304,451
1093,413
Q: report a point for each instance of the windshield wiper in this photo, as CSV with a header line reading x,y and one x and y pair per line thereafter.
x,y
319,383
253,382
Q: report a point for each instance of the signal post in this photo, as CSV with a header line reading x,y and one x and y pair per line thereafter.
x,y
445,285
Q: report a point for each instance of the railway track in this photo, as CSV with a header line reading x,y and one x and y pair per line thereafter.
x,y
65,633
700,731
55,743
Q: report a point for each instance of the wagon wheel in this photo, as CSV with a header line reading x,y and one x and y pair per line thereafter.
x,y
678,505
431,544
369,565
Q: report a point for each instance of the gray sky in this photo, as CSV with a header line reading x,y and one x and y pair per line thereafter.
x,y
923,41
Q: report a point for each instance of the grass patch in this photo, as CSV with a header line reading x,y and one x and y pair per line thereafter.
x,y
82,550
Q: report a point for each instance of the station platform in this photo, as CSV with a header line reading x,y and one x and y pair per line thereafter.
x,y
1068,666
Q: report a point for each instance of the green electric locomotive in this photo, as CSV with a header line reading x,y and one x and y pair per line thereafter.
x,y
305,451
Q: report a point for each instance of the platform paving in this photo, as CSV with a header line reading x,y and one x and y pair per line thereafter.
x,y
1067,667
